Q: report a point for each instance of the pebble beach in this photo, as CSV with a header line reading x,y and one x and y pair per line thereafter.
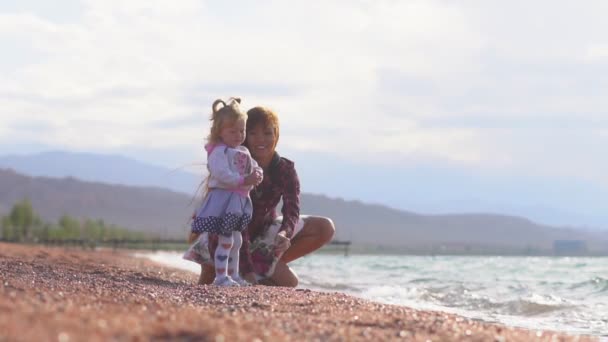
x,y
70,294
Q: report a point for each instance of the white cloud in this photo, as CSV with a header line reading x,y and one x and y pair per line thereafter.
x,y
378,81
596,52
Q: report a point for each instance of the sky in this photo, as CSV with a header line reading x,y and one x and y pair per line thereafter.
x,y
432,106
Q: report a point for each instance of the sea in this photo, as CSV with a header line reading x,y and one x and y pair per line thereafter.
x,y
568,294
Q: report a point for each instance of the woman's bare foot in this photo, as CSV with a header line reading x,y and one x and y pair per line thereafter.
x,y
207,275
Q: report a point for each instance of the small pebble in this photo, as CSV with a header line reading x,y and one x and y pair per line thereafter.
x,y
63,337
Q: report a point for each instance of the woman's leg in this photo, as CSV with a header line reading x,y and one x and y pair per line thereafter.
x,y
207,271
282,276
317,231
207,275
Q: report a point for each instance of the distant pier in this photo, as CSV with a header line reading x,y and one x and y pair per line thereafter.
x,y
569,247
343,244
148,244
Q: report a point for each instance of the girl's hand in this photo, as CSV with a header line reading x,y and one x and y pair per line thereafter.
x,y
281,243
260,173
254,178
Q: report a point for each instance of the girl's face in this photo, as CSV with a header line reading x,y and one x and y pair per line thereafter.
x,y
261,141
233,134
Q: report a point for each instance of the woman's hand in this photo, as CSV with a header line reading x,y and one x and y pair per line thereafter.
x,y
281,243
250,278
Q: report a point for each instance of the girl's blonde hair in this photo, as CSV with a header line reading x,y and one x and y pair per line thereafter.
x,y
224,112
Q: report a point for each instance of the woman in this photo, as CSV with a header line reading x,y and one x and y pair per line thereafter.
x,y
271,242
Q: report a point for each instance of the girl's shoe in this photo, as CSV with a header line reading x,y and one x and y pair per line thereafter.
x,y
224,281
241,281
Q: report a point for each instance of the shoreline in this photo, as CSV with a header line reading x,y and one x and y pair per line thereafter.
x,y
519,322
73,294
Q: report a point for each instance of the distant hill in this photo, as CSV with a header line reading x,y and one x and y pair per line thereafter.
x,y
111,169
481,232
428,190
166,212
140,208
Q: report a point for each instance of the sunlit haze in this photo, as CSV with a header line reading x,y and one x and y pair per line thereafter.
x,y
430,106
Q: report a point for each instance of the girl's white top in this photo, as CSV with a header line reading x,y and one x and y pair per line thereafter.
x,y
229,166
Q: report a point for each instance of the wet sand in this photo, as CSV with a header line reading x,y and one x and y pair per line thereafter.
x,y
59,294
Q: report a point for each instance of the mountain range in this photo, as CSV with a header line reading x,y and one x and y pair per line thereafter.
x,y
423,188
111,169
134,195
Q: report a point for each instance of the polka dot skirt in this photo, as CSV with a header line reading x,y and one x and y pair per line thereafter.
x,y
224,225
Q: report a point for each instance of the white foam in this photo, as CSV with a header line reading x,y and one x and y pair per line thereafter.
x,y
171,259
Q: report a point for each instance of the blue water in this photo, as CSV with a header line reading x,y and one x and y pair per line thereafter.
x,y
567,294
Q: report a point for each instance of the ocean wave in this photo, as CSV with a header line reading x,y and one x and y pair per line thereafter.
x,y
598,284
329,286
457,296
530,307
393,294
385,267
423,280
461,296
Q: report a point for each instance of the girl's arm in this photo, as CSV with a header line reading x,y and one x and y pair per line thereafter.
x,y
219,169
255,167
291,198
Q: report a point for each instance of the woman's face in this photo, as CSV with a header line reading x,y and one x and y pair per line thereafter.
x,y
261,141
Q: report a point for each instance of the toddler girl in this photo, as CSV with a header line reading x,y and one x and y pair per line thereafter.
x,y
226,209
